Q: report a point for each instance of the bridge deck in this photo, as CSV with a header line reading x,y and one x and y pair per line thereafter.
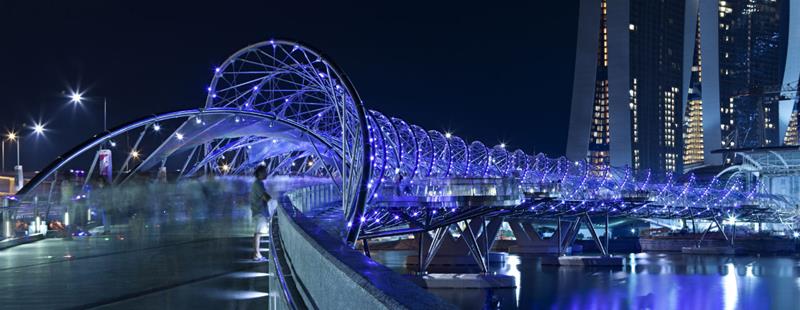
x,y
114,271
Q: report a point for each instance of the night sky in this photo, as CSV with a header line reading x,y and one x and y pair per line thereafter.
x,y
499,72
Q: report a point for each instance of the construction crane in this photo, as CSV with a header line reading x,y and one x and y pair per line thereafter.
x,y
788,91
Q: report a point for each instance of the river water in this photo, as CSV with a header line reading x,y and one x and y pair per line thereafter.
x,y
647,281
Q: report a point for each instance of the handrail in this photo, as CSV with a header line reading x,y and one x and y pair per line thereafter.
x,y
278,268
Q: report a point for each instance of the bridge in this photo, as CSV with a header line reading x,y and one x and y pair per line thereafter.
x,y
357,175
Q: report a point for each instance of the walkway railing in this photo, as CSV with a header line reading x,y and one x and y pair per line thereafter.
x,y
320,270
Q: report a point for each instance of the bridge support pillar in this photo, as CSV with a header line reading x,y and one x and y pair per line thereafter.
x,y
441,252
529,241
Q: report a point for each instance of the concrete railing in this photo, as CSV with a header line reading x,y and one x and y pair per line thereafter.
x,y
327,274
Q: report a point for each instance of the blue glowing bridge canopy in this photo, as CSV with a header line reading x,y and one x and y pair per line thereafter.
x,y
285,105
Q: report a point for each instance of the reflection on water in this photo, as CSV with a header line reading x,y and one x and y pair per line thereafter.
x,y
648,281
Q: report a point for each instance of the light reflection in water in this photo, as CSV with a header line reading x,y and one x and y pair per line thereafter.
x,y
730,287
513,270
649,281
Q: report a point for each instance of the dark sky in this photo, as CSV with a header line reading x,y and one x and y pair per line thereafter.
x,y
490,71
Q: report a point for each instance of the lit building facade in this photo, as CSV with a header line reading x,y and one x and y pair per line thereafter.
x,y
693,148
630,59
660,85
752,54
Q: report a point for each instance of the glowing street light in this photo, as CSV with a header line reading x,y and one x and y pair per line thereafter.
x,y
14,137
448,135
11,137
76,97
38,128
135,154
502,145
156,127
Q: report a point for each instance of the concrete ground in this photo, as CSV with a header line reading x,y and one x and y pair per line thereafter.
x,y
174,270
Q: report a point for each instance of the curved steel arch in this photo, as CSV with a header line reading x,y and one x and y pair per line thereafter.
x,y
294,85
297,82
97,140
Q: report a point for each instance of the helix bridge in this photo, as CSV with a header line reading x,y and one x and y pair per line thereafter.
x,y
285,105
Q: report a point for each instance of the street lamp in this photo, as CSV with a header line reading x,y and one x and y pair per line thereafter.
x,y
10,138
38,129
13,137
76,97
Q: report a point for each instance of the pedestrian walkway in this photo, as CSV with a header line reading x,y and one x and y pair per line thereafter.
x,y
112,272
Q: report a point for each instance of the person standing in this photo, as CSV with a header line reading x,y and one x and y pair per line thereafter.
x,y
259,200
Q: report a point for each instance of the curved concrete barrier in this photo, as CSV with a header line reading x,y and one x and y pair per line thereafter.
x,y
330,275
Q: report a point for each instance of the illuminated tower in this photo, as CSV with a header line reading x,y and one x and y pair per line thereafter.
x,y
626,100
599,139
752,56
693,117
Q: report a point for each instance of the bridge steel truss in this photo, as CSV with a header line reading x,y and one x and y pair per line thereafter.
x,y
285,105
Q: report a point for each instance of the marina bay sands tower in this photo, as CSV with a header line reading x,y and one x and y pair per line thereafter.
x,y
671,85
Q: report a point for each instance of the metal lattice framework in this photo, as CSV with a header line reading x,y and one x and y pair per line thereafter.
x,y
298,85
284,105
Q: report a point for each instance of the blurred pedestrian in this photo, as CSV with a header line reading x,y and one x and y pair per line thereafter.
x,y
259,200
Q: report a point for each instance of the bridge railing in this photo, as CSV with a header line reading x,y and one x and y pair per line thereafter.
x,y
448,187
316,269
307,198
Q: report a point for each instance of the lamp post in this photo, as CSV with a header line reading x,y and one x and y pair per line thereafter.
x,y
76,97
38,129
12,137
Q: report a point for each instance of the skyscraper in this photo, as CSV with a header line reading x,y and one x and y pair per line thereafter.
x,y
693,142
752,54
662,84
630,59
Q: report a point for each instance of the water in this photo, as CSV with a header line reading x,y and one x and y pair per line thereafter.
x,y
648,281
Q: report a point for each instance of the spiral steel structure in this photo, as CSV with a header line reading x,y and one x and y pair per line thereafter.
x,y
284,105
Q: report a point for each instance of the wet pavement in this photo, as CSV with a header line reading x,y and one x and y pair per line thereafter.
x,y
167,271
